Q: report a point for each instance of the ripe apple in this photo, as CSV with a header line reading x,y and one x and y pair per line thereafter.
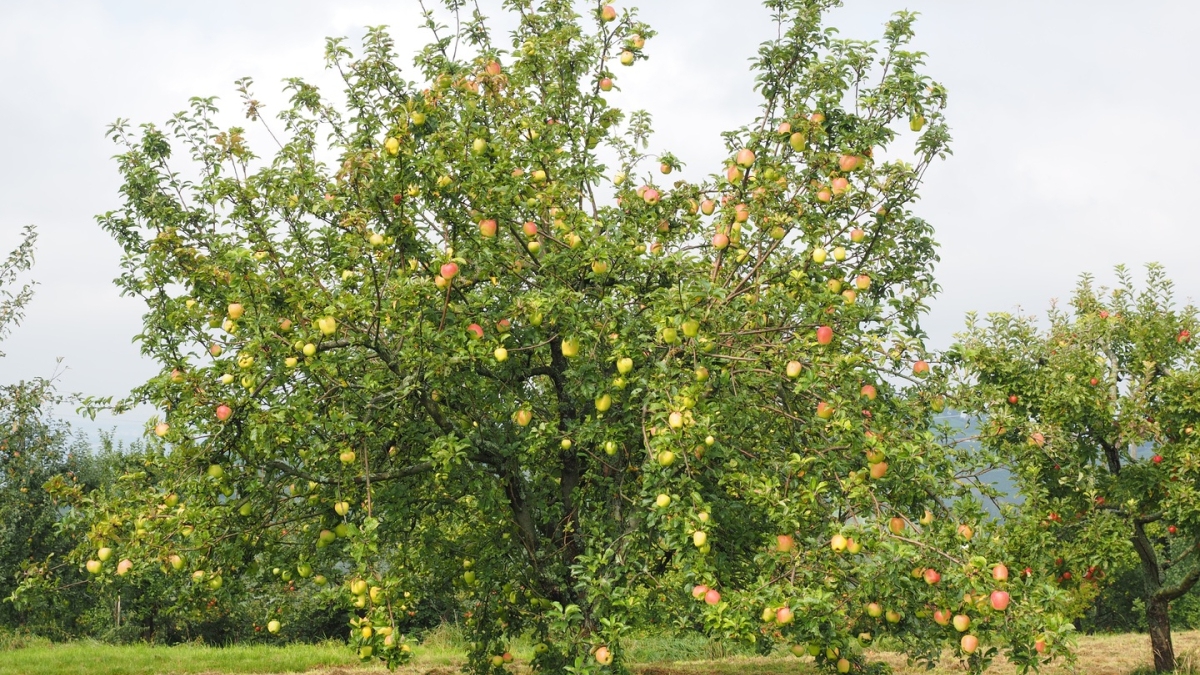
x,y
793,371
104,554
784,543
927,517
744,158
449,271
896,525
1000,573
857,235
501,354
839,185
624,365
879,470
862,282
702,374
1157,459
606,84
848,162
999,600
663,501
1039,646
824,335
603,402
651,196
94,566
839,253
843,665
874,610
608,13
824,410
346,457
969,643
838,543
853,547
599,267
707,207
570,348
487,228
1013,399
966,532
341,508
524,417
712,597
941,617
720,240
784,616
961,622
932,577
475,331
868,391
920,368
675,420
161,429
892,616
235,310
699,590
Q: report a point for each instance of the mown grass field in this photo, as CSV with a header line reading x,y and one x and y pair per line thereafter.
x,y
1102,655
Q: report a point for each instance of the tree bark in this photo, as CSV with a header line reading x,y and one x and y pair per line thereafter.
x,y
1159,621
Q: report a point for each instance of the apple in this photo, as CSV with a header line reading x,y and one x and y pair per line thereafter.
x,y
784,616
824,335
501,354
793,369
341,508
235,311
969,643
892,616
691,328
848,162
524,417
666,458
712,597
1157,459
862,282
1000,573
570,348
171,500
843,665
744,158
720,240
932,577
961,622
699,590
857,235
346,457
94,566
879,470
670,335
475,330
161,429
702,374
1172,529
487,228
610,447
1013,399
651,196
838,543
853,546
868,392
215,583
176,562
840,185
607,13
104,554
1039,646
606,84
376,239
920,368
309,349
599,267
603,402
707,207
699,538
215,471
784,543
663,501
999,600
839,253
449,271
272,626
966,532
215,349
675,420
874,610
624,365
824,410
1184,337
797,650
896,525
819,255
941,617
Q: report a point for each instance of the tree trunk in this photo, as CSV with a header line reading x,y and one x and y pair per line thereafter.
x,y
1159,621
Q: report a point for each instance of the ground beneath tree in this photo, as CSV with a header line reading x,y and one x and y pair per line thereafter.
x,y
1098,655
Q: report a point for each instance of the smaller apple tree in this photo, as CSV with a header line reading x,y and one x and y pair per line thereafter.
x,y
1096,417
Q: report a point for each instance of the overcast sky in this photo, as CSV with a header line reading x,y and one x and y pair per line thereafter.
x,y
1073,124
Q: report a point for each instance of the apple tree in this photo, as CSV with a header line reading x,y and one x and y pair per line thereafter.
x,y
462,336
1096,415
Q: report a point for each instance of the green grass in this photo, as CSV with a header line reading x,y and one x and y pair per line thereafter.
x,y
94,658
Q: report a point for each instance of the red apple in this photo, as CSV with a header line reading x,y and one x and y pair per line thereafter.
x,y
869,392
941,617
449,271
920,368
712,597
607,13
840,185
1013,399
896,525
493,68
606,84
223,412
1000,600
961,622
487,227
1157,459
720,240
848,162
824,335
783,616
932,577
969,643
1039,646
1000,573
699,590
475,330
824,410
651,196
744,158
530,228
603,656
784,543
